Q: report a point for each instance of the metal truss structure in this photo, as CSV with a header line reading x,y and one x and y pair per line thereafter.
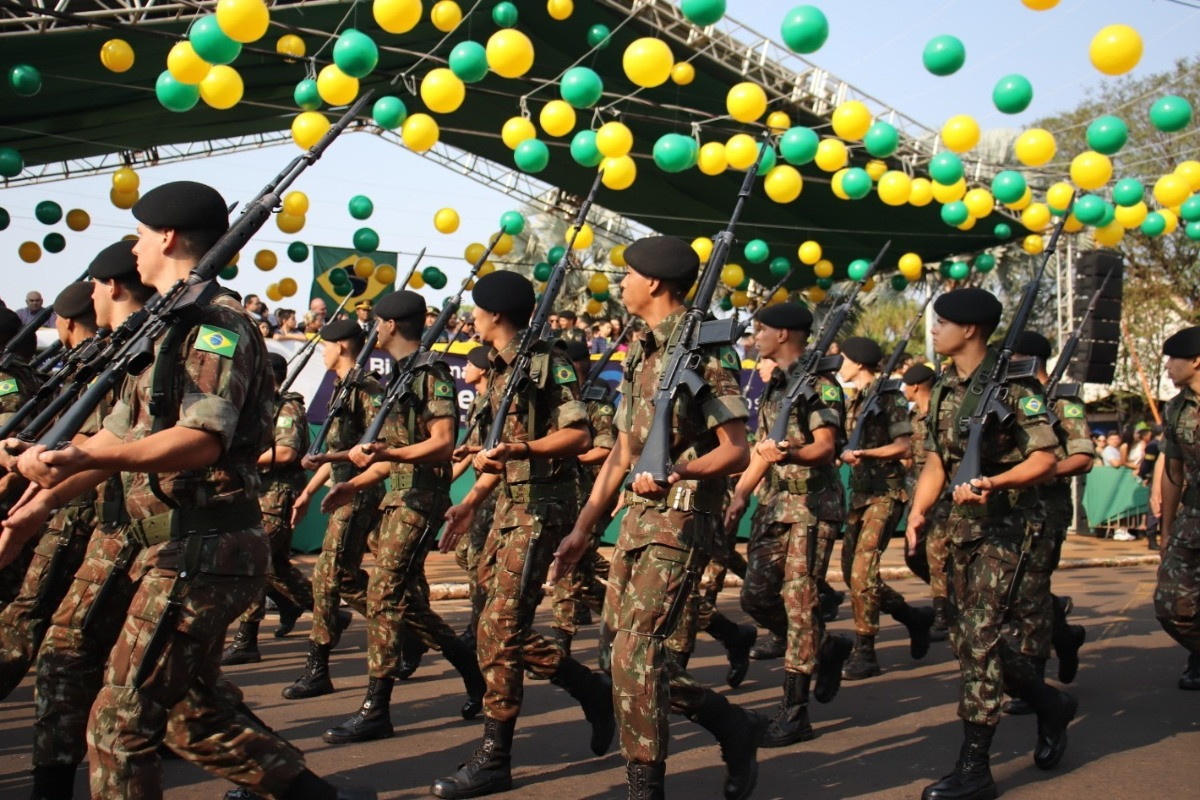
x,y
38,16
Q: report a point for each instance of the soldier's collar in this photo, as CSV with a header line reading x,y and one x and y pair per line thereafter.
x,y
661,333
504,356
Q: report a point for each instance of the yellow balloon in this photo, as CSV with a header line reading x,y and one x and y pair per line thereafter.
x,y
385,274
894,188
243,20
712,160
290,45
509,53
815,294
809,252
835,184
363,268
741,150
979,202
780,296
441,91
1024,202
876,168
445,220
948,194
116,55
831,155
336,87
1039,5
1033,244
504,244
474,252
445,15
559,9
703,247
739,298
910,266
616,256
1190,172
869,284
222,87
1058,196
647,62
78,219
823,268
273,294
619,172
184,65
266,260
783,183
1035,147
683,73
288,287
295,203
584,238
1171,190
614,139
397,16
515,131
417,281
1090,170
778,122
594,306
1072,224
419,132
486,268
1131,216
126,180
746,101
1115,49
921,193
308,127
851,120
960,133
1036,217
1172,221
597,283
1110,234
289,223
966,226
732,275
123,200
557,118
29,252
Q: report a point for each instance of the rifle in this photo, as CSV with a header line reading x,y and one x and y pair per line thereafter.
x,y
814,360
28,331
341,398
358,286
696,334
1055,391
79,366
594,389
178,304
44,360
884,383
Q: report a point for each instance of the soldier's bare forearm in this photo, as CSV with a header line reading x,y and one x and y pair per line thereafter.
x,y
821,451
484,485
1070,466
930,484
172,450
438,447
753,475
1037,468
1172,494
894,451
604,490
731,454
562,443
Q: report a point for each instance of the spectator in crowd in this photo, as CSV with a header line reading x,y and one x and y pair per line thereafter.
x,y
1114,450
1141,437
552,321
314,320
468,330
1145,473
618,327
287,330
255,307
33,306
601,337
264,328
363,313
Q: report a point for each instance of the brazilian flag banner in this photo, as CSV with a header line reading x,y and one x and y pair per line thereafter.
x,y
379,266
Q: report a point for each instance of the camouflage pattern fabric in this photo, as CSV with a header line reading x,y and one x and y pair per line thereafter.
x,y
1177,595
868,531
17,384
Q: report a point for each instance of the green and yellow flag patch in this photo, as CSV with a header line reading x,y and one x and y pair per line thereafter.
x,y
729,359
212,339
283,422
442,389
1032,406
8,386
1073,411
564,374
831,394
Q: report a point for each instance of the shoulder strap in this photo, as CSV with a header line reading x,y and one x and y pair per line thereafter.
x,y
163,401
974,391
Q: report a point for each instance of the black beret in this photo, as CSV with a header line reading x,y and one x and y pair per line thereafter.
x,y
786,317
918,373
400,305
75,300
278,366
480,357
664,257
114,262
504,292
969,307
9,321
1032,343
342,329
1185,344
183,206
577,350
862,350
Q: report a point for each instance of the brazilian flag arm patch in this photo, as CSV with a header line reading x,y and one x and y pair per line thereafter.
x,y
1073,411
442,389
564,374
831,394
1032,406
212,339
284,422
729,359
8,386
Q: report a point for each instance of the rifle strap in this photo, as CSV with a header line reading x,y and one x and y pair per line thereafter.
x,y
164,404
970,402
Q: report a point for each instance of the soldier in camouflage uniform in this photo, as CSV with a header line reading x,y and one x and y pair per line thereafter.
x,y
780,591
533,470
282,479
1177,596
338,574
667,536
877,498
988,528
18,383
466,555
190,490
414,455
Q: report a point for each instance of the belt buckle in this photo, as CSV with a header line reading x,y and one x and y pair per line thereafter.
x,y
683,500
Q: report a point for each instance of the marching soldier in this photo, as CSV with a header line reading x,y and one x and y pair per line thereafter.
x,y
18,382
988,526
666,533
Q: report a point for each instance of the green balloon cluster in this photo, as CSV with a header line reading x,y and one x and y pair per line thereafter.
x,y
173,95
899,283
944,55
674,152
956,213
1189,211
856,183
824,283
512,222
756,251
584,150
542,270
958,270
468,60
857,269
361,207
5,219
798,145
532,155
1107,134
702,12
726,303
1012,94
54,242
25,80
505,14
881,139
1170,113
48,212
1002,230
434,277
339,279
1090,209
779,267
211,43
389,112
985,262
581,87
601,297
805,29
228,272
1154,224
366,240
355,53
556,254
305,94
297,251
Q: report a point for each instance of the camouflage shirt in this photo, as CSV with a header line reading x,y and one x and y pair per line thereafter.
x,y
17,384
433,387
1074,438
600,420
291,430
920,423
1181,440
347,428
874,477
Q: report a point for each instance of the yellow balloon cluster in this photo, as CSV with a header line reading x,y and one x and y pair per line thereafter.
x,y
78,220
921,192
823,268
703,247
398,16
308,127
336,87
419,132
295,203
1090,170
960,133
289,223
712,159
910,266
266,260
783,183
614,139
222,87
616,256
1115,49
185,65
583,239
116,55
290,45
895,188
809,252
243,21
445,15
515,131
557,118
1035,147
441,91
831,155
619,172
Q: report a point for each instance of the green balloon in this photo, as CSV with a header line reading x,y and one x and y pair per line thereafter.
x,y
768,160
512,222
1002,230
856,183
881,139
211,43
756,251
959,270
1089,209
228,272
434,277
726,303
338,276
955,214
602,297
944,268
1170,113
307,97
944,55
1128,192
1193,231
584,150
1012,94
745,284
54,242
1189,211
779,267
532,155
389,112
985,262
173,95
542,270
798,145
297,251
674,152
857,269
805,29
5,219
556,254
1008,186
11,162
946,168
366,240
581,87
25,80
824,283
505,14
355,53
1110,213
899,283
468,60
1107,134
48,212
1154,224
703,12
597,36
361,207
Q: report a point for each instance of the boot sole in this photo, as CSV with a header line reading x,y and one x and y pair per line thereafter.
x,y
851,676
479,791
233,662
305,695
330,738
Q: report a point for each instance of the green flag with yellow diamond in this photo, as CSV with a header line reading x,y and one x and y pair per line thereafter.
x,y
212,339
326,259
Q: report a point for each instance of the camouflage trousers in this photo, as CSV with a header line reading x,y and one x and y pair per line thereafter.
x,y
284,578
1032,614
13,576
979,574
582,587
726,559
466,555
1177,595
928,559
338,574
506,643
868,531
23,622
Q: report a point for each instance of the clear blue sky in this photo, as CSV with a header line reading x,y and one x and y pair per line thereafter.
x,y
875,45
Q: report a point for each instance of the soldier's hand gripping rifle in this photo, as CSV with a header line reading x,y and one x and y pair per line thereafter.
x,y
814,361
301,358
1055,389
181,300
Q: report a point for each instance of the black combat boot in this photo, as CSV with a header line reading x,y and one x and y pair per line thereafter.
x,y
340,623
463,659
1017,706
1055,710
835,649
53,782
941,622
972,775
488,771
289,612
593,691
830,601
919,621
791,724
739,732
583,614
1190,679
862,663
1066,638
242,793
372,721
411,651
774,646
738,639
563,640
244,647
307,786
315,680
645,781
